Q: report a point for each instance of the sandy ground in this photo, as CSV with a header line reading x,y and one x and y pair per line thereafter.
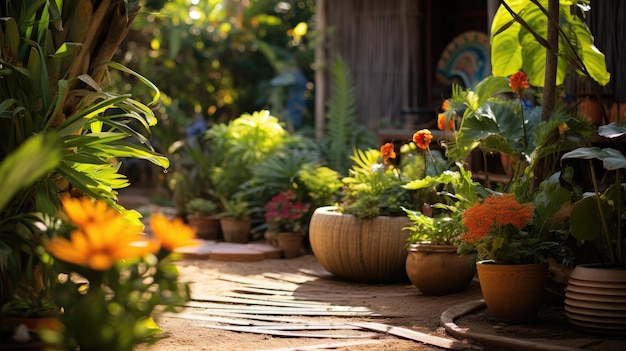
x,y
229,296
209,325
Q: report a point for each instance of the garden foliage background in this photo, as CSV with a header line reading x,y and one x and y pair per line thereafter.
x,y
219,59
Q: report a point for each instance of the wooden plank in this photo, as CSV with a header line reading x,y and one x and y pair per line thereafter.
x,y
259,283
246,301
289,277
255,317
265,325
417,336
311,327
284,298
263,291
317,273
233,302
321,295
268,310
261,330
331,345
225,320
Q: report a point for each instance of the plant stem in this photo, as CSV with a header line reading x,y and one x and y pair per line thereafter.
x,y
521,108
483,151
605,227
433,159
618,244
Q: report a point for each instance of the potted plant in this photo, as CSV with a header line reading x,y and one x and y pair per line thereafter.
x,y
236,220
288,218
202,218
511,253
597,219
434,231
361,238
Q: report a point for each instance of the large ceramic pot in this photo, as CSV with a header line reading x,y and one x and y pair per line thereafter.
x,y
595,299
363,250
513,293
438,269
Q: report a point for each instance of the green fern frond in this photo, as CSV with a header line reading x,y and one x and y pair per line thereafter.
x,y
341,115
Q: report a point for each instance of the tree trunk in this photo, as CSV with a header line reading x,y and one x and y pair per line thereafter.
x,y
549,87
100,27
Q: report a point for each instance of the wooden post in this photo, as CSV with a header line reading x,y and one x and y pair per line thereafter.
x,y
320,69
549,86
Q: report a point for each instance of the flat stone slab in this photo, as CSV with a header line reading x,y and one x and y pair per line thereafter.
x,y
249,252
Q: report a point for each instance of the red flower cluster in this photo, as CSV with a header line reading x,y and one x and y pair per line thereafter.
x,y
286,212
494,212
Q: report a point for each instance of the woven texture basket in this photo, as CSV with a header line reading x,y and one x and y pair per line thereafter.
x,y
363,250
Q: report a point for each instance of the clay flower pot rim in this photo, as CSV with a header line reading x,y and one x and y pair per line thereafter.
x,y
427,246
491,262
597,265
332,210
598,271
194,215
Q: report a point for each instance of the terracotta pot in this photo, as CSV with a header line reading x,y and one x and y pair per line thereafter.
x,y
590,108
205,227
363,250
513,293
595,299
235,230
438,269
290,244
508,164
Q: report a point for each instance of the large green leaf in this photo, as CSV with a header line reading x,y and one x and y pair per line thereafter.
x,y
586,220
611,159
36,157
514,47
506,51
582,41
612,130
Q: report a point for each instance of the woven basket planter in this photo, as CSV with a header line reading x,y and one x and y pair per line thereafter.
x,y
362,250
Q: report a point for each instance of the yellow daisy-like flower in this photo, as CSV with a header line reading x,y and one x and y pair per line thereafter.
x,y
103,236
172,234
85,211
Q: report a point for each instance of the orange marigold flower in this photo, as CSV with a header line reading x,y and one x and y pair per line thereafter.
x,y
387,152
519,82
171,234
86,211
422,138
445,105
441,122
99,246
495,211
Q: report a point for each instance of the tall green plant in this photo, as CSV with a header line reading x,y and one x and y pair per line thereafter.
x,y
343,132
239,146
54,103
493,123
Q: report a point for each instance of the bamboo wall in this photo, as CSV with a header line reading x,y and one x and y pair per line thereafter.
x,y
380,42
